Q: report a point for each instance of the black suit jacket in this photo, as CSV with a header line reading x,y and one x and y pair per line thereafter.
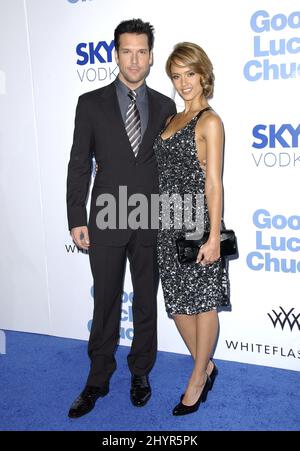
x,y
100,132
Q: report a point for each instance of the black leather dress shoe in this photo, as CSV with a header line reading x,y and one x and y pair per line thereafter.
x,y
87,400
182,409
140,391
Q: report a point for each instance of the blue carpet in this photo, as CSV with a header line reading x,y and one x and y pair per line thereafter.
x,y
41,376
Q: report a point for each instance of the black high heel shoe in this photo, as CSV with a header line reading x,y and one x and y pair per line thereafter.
x,y
182,409
213,375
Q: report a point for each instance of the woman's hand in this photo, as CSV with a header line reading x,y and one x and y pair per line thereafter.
x,y
209,252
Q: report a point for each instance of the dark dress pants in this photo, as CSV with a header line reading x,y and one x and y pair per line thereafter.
x,y
108,265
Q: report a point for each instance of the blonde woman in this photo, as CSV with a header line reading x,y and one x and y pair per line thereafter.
x,y
193,292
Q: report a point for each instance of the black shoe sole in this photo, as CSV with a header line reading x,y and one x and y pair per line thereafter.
x,y
78,415
140,404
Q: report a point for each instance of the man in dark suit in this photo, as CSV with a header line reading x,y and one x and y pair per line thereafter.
x,y
117,124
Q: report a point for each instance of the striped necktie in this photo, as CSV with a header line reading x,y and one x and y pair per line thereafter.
x,y
133,124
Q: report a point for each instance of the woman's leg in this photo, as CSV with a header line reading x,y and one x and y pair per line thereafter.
x,y
207,325
187,327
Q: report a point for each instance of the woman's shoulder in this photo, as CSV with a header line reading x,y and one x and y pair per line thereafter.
x,y
210,124
210,119
211,116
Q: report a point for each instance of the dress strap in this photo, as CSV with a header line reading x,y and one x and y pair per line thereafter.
x,y
202,111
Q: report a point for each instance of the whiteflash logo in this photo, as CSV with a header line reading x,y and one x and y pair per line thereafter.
x,y
283,318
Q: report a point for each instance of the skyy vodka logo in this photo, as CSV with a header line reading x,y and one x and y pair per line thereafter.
x,y
94,61
276,145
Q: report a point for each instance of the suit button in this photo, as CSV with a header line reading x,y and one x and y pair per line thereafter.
x,y
135,163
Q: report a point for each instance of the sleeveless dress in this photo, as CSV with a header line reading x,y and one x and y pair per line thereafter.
x,y
188,288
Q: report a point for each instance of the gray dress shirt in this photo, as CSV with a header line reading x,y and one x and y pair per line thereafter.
x,y
141,102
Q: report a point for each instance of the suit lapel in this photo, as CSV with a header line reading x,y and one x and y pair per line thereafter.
x,y
151,130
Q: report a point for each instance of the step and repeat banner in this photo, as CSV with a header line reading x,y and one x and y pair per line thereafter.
x,y
54,50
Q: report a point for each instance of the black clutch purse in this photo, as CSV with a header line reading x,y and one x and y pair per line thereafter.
x,y
187,250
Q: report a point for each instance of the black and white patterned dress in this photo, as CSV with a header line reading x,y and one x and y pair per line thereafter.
x,y
189,288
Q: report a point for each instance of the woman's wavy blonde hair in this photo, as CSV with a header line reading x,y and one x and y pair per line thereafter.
x,y
193,56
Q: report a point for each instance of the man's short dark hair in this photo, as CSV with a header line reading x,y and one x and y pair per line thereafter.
x,y
134,26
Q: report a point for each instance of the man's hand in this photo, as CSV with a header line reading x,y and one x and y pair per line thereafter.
x,y
80,237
